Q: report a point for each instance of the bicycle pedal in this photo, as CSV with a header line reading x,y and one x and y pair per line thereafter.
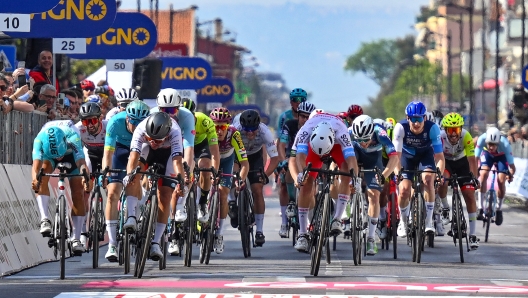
x,y
46,235
51,243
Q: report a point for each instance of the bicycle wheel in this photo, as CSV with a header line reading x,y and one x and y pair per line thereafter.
x,y
243,223
489,212
411,230
458,218
213,221
420,227
394,225
362,235
147,231
294,224
317,229
55,237
190,227
126,251
95,231
355,229
62,237
164,246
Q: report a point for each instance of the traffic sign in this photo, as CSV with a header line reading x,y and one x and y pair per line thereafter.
x,y
71,18
525,76
15,22
119,65
185,73
8,56
27,6
218,90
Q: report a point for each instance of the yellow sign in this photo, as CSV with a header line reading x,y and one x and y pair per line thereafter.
x,y
215,90
184,73
95,10
119,36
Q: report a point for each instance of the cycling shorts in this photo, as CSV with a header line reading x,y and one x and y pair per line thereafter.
x,y
369,161
488,159
459,167
421,160
161,156
201,150
226,167
66,158
119,162
336,153
256,162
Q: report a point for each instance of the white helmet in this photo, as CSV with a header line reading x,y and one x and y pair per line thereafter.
x,y
169,98
362,127
306,107
379,121
493,135
315,112
429,116
126,95
322,139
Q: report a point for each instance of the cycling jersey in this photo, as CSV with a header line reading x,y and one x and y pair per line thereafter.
x,y
205,128
463,147
288,115
173,140
232,142
72,138
379,140
287,134
94,144
341,134
263,136
61,123
185,120
117,132
413,143
114,111
504,148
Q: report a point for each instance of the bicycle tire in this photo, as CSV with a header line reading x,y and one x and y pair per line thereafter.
x,y
250,219
62,237
152,212
420,231
362,235
212,227
126,251
315,227
323,234
489,213
394,226
56,233
411,230
243,225
190,227
163,245
457,209
95,232
355,230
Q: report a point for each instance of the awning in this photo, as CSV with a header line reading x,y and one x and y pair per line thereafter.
x,y
490,84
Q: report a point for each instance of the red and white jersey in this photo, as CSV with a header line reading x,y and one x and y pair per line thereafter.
x,y
94,144
340,130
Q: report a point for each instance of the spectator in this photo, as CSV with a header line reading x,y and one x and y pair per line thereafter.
x,y
43,72
79,94
9,103
74,104
48,96
88,88
65,83
514,135
519,105
81,76
9,76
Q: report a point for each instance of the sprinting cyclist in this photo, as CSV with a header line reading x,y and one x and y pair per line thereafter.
x,y
256,135
231,147
119,132
321,136
369,139
287,187
459,152
124,96
158,139
419,146
494,149
55,144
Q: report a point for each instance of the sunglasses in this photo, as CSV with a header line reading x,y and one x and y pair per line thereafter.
x,y
123,105
169,110
250,128
90,121
49,96
418,119
222,126
154,141
298,99
304,116
134,122
363,140
3,87
89,89
453,130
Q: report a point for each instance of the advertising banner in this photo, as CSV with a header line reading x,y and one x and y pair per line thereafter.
x,y
185,73
27,6
218,90
132,36
71,18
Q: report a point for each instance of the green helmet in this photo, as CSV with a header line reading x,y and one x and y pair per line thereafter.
x,y
137,111
189,104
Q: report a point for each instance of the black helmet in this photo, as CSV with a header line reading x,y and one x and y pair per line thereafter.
x,y
158,125
249,118
189,104
437,114
90,109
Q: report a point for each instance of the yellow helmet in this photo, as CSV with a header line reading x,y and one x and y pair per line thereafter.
x,y
453,120
389,123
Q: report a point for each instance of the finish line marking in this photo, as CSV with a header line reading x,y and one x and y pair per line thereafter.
x,y
213,295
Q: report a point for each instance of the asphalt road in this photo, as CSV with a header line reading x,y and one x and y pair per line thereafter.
x,y
498,268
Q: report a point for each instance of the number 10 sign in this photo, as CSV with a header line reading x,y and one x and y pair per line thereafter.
x,y
69,45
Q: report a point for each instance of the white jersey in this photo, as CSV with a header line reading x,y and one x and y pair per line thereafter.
x,y
67,123
341,133
94,144
174,140
263,137
112,113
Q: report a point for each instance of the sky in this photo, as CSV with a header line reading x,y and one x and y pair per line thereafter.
x,y
308,41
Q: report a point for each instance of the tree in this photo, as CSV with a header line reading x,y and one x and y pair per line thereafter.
x,y
375,59
87,66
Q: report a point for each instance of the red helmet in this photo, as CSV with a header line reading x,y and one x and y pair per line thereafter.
x,y
354,111
110,91
87,85
342,115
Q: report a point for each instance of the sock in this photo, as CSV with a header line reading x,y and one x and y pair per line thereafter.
x,y
111,225
445,204
83,229
340,206
77,226
499,203
231,195
203,196
472,223
372,226
43,203
220,230
131,202
259,220
160,228
303,220
180,201
383,213
404,212
180,206
283,215
482,200
198,190
429,208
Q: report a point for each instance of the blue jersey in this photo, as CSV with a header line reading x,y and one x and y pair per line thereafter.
x,y
504,148
413,143
379,140
72,138
283,118
117,132
186,121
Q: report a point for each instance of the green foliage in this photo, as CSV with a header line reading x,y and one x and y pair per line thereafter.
x,y
87,66
375,59
396,102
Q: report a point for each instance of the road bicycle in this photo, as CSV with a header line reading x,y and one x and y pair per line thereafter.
x,y
393,218
491,203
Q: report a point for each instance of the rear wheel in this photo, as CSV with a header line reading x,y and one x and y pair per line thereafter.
x,y
457,208
213,213
95,231
355,229
243,223
62,237
394,226
190,227
126,251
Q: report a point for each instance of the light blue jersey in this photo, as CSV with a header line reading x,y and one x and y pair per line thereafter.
x,y
117,132
185,120
72,138
283,118
504,148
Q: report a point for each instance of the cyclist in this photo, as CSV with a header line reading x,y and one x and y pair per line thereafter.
x,y
297,96
381,230
494,149
459,152
55,144
344,117
158,139
205,149
123,97
369,139
287,188
353,112
119,132
419,145
88,88
256,135
231,147
321,136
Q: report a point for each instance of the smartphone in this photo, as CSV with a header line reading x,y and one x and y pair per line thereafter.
x,y
21,64
21,80
42,102
60,100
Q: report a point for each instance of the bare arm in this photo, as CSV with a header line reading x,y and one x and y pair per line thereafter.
x,y
440,161
393,162
215,152
244,169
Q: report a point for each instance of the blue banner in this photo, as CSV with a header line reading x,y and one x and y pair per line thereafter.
x,y
524,76
27,6
71,18
218,90
185,73
132,36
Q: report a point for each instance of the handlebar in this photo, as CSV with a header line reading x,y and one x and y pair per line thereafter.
x,y
474,180
152,171
378,172
62,167
329,172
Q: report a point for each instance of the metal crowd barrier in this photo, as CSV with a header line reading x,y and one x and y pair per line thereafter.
x,y
520,148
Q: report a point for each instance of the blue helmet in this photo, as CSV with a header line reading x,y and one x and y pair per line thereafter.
x,y
298,92
54,143
137,111
415,109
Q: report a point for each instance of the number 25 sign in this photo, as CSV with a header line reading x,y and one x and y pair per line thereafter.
x,y
69,45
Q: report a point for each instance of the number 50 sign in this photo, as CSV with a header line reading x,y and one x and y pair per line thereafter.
x,y
69,45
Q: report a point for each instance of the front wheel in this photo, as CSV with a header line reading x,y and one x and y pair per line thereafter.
x,y
95,232
62,237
